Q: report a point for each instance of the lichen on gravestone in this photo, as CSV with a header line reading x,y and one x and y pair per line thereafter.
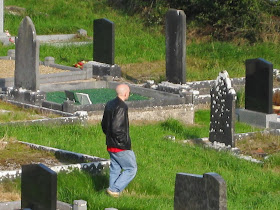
x,y
222,113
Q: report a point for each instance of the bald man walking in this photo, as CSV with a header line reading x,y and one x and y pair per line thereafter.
x,y
115,126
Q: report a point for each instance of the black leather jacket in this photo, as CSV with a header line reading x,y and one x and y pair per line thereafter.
x,y
115,124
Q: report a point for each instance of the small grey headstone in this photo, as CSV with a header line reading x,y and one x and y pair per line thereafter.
x,y
259,85
104,41
27,57
196,192
176,46
38,187
83,98
222,114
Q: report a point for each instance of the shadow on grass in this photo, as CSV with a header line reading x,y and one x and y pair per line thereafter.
x,y
100,182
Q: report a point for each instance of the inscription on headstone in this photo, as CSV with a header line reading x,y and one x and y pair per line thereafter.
x,y
38,187
27,57
104,41
176,46
259,85
222,111
196,192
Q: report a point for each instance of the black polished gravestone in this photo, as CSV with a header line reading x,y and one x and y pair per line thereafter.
x,y
176,46
38,187
104,41
259,85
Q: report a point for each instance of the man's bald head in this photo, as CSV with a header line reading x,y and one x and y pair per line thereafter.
x,y
123,91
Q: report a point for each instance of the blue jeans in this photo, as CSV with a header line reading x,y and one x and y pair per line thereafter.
x,y
123,169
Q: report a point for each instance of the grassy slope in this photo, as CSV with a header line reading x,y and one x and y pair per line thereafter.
x,y
249,185
145,47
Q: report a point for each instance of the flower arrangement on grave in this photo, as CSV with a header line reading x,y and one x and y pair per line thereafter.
x,y
80,64
11,39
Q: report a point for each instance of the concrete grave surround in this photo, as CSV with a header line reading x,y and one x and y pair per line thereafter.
x,y
222,113
176,46
259,85
104,41
27,57
38,187
197,192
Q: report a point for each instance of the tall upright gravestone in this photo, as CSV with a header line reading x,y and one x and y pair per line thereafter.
x,y
259,85
104,41
27,57
176,46
38,187
222,111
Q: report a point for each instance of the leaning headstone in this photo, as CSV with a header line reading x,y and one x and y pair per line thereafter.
x,y
197,192
38,187
27,57
259,85
222,111
83,98
104,41
176,46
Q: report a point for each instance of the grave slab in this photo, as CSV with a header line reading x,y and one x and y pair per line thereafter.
x,y
254,118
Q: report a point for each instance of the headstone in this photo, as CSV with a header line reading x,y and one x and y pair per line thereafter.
x,y
27,57
196,192
70,95
104,41
222,112
38,187
259,85
83,98
176,46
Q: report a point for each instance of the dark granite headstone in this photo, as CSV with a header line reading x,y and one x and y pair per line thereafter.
x,y
70,95
176,46
104,41
38,187
222,112
259,85
196,192
27,57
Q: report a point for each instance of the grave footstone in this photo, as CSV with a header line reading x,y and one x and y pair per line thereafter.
x,y
259,85
27,57
176,46
104,41
197,192
222,111
38,187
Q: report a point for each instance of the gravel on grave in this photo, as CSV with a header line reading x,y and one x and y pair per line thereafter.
x,y
7,69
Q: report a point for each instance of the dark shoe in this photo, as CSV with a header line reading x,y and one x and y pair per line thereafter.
x,y
113,194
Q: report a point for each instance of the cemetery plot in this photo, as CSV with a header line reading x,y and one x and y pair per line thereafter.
x,y
13,154
9,113
97,96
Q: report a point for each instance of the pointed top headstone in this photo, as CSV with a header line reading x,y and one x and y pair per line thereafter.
x,y
27,57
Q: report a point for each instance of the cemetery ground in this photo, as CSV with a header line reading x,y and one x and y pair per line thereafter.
x,y
249,185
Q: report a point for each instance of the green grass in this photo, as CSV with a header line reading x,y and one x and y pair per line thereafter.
x,y
97,96
249,185
134,42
